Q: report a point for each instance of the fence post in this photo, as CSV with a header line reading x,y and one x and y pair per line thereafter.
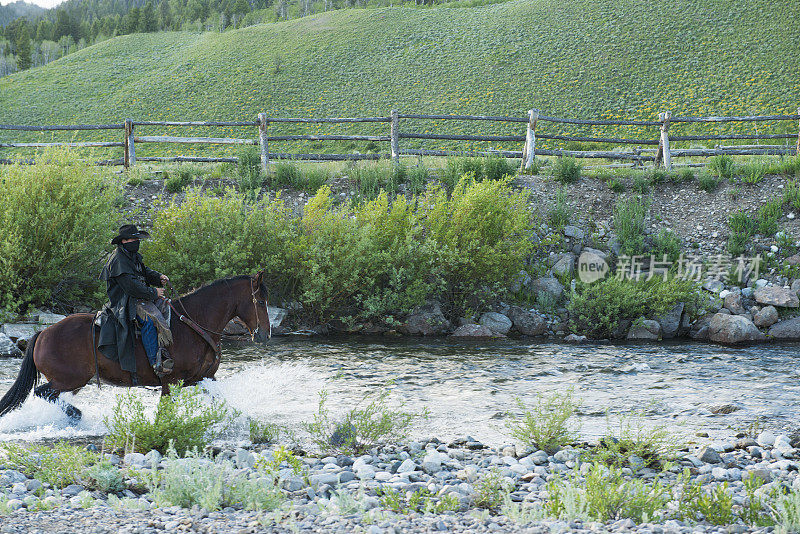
x,y
262,140
395,136
130,149
797,148
529,150
663,153
125,155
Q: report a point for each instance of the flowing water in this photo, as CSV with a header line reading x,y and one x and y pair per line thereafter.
x,y
469,386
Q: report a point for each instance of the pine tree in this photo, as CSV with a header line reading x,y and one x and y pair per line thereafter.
x,y
147,19
23,43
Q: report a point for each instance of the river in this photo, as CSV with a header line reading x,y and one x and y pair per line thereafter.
x,y
469,386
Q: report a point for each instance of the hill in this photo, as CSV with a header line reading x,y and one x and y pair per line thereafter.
x,y
17,9
583,58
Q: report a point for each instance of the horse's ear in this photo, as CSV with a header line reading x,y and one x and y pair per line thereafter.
x,y
259,277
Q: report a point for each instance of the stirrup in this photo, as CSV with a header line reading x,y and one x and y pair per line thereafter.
x,y
164,363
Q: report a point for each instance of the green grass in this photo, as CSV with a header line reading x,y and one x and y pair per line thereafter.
x,y
480,60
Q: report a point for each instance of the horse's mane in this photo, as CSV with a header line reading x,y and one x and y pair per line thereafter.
x,y
213,285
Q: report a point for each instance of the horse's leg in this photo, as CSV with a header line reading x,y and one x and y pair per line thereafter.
x,y
165,389
47,393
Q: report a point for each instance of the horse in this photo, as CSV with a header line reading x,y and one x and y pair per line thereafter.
x,y
66,355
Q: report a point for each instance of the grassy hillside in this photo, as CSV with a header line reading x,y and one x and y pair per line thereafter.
x,y
581,58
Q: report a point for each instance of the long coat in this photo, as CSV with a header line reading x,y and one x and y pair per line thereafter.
x,y
127,281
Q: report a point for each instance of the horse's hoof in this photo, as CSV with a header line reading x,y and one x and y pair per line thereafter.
x,y
74,414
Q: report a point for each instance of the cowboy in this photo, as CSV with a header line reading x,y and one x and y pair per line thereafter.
x,y
128,284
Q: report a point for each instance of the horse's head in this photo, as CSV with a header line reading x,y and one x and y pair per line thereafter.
x,y
253,309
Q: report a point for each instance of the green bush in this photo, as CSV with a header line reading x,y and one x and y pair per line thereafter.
x,y
491,490
785,166
420,501
263,432
248,169
596,310
697,504
315,178
287,175
768,215
497,168
104,477
177,179
666,242
655,445
791,195
364,425
606,494
683,176
60,464
752,172
205,238
546,425
418,178
629,216
183,421
640,184
57,219
721,167
458,167
707,181
560,213
566,170
616,184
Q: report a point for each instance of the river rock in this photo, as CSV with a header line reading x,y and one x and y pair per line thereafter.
x,y
776,296
473,331
8,349
732,329
426,320
733,302
496,322
20,330
523,279
547,287
710,456
793,260
526,322
575,339
699,329
645,329
48,318
573,232
565,265
591,267
671,321
788,329
766,317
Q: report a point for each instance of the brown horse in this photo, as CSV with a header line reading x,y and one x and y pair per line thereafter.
x,y
63,352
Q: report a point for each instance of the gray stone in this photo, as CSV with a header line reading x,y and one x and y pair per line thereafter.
x,y
346,476
575,339
72,490
8,349
134,458
331,479
763,474
496,322
407,466
710,456
671,321
645,329
592,267
10,477
33,485
365,472
597,252
699,329
526,322
733,302
547,287
14,504
777,296
244,458
713,285
20,330
732,329
293,483
474,331
48,318
573,232
788,329
766,317
426,320
565,265
522,280
766,438
151,458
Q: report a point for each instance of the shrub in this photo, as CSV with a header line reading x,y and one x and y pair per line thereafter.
x,y
658,176
60,465
420,501
496,168
683,176
199,480
491,490
743,227
707,181
287,175
263,432
787,511
560,214
104,477
753,172
666,242
641,184
418,179
768,216
791,195
597,309
566,170
629,216
315,178
546,425
56,220
721,166
371,179
248,169
456,168
371,420
654,445
205,238
787,166
697,504
183,421
177,179
606,494
616,184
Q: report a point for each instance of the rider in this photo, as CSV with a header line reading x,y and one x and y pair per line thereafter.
x,y
128,282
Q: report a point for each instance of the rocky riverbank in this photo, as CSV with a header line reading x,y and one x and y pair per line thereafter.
x,y
461,486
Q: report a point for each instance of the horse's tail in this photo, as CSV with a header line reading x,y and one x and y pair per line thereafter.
x,y
27,379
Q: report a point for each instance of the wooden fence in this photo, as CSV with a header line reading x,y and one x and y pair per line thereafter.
x,y
660,155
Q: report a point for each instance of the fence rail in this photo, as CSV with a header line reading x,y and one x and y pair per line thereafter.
x,y
661,155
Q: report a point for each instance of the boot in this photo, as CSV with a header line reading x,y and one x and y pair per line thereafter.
x,y
164,363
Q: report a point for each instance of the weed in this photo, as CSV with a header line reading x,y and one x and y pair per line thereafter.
x,y
752,173
248,169
418,179
420,501
734,193
560,214
182,421
791,194
640,184
496,168
721,167
547,424
287,175
104,477
666,242
768,215
490,490
520,513
315,178
786,166
787,512
633,444
368,422
658,176
683,176
456,168
697,504
707,181
60,465
566,170
754,512
616,184
629,216
176,180
263,432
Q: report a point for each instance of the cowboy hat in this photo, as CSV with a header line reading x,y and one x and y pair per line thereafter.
x,y
129,231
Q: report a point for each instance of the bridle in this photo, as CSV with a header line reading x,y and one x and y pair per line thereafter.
x,y
256,302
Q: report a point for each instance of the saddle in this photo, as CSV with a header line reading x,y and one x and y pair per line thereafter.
x,y
160,313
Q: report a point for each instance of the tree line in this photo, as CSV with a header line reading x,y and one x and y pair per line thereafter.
x,y
33,41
